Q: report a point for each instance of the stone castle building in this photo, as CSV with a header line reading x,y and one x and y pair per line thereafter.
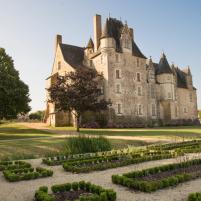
x,y
137,86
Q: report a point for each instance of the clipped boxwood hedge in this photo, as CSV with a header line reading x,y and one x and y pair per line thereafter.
x,y
11,165
106,163
132,179
97,192
26,174
194,196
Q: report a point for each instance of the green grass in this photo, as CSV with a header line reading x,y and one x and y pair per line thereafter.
x,y
10,131
19,142
187,132
182,131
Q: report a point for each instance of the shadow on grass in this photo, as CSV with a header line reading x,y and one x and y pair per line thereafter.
x,y
151,133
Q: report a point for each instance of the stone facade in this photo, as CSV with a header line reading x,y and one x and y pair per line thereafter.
x,y
136,86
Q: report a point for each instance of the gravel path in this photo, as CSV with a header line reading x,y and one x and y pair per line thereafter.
x,y
24,190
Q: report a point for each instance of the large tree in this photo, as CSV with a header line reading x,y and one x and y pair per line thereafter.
x,y
14,93
77,92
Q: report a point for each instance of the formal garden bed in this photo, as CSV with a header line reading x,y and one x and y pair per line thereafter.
x,y
76,191
11,165
103,163
26,174
179,148
152,179
192,146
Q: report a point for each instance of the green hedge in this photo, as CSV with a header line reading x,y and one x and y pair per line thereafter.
x,y
194,197
132,179
11,165
98,193
26,174
106,163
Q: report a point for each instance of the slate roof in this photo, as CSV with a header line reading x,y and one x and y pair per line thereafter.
x,y
113,28
73,55
181,76
163,66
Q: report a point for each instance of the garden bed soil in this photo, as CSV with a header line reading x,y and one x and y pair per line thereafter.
x,y
194,170
70,195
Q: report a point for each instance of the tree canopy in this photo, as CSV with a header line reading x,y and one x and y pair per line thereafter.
x,y
14,93
77,92
38,115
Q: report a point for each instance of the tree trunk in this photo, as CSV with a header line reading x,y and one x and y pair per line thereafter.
x,y
78,123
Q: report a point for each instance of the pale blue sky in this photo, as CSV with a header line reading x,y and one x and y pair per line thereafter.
x,y
28,29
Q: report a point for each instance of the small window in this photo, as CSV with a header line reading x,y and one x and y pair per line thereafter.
x,y
176,111
117,58
117,74
191,97
138,77
139,91
185,110
140,110
153,109
119,108
118,90
59,65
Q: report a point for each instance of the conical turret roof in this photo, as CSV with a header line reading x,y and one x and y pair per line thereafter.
x,y
105,32
163,66
90,44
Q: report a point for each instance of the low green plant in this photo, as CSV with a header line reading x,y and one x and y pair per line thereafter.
x,y
97,193
85,144
194,196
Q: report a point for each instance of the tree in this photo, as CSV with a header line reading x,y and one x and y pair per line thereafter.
x,y
77,92
14,93
199,114
38,115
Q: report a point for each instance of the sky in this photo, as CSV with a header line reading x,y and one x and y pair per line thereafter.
x,y
28,29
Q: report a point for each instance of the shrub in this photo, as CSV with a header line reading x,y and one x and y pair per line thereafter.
x,y
75,186
44,189
97,193
103,196
84,144
82,185
194,197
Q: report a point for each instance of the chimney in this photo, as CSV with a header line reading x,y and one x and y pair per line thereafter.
x,y
132,34
58,41
97,31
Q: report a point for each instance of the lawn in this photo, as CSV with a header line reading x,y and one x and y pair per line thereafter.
x,y
182,131
18,141
17,131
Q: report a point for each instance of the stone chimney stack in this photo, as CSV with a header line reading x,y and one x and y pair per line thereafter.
x,y
132,33
97,31
58,41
